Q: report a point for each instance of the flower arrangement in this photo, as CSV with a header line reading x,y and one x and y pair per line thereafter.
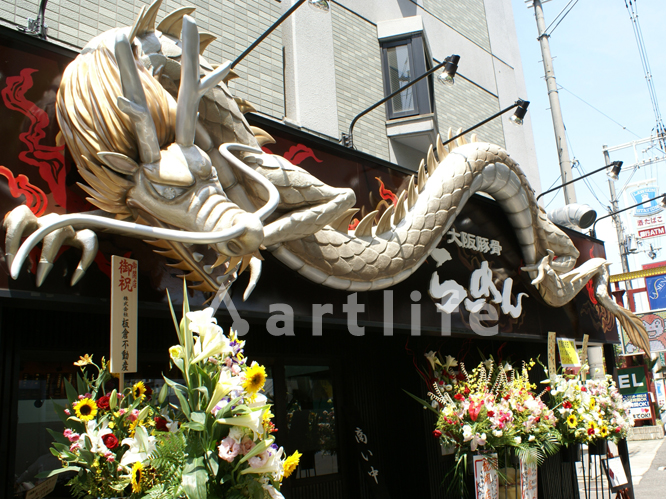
x,y
214,439
490,408
108,436
589,411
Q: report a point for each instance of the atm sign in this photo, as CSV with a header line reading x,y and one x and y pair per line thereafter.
x,y
652,232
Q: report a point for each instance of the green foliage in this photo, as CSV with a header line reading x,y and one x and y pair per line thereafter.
x,y
168,459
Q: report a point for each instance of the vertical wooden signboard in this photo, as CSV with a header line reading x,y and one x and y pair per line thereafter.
x,y
124,304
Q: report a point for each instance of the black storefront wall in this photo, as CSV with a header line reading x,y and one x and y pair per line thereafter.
x,y
43,330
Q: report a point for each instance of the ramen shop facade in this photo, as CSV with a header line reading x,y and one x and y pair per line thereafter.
x,y
339,363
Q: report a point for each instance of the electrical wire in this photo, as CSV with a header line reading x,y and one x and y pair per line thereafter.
x,y
598,110
632,9
561,18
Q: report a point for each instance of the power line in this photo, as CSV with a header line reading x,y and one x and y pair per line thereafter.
x,y
561,18
633,15
599,111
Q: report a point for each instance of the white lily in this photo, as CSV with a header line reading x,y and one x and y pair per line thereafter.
x,y
201,319
432,358
224,385
95,434
450,362
140,447
212,343
254,421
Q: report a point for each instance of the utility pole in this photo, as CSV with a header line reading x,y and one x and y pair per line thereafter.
x,y
556,111
621,240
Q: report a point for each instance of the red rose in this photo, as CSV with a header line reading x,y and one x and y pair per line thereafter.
x,y
466,390
149,392
458,396
491,414
110,441
548,388
566,404
590,431
617,430
160,424
436,433
583,389
103,402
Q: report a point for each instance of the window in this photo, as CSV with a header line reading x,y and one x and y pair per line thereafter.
x,y
402,61
311,419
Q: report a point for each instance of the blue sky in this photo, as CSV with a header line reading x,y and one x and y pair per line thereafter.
x,y
597,62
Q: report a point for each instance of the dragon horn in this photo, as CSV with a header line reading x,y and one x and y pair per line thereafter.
x,y
191,89
134,104
145,21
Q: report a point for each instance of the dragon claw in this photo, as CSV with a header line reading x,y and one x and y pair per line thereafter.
x,y
21,222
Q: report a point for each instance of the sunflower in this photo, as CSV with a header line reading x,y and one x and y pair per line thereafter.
x,y
603,431
291,463
86,409
139,390
572,421
593,404
137,475
255,377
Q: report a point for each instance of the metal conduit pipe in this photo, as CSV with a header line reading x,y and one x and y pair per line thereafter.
x,y
573,216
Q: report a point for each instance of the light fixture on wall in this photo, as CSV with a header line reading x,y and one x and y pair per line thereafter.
x,y
519,114
662,203
613,172
320,5
447,76
520,104
451,62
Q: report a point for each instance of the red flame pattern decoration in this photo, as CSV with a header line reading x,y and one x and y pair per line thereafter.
x,y
35,199
49,159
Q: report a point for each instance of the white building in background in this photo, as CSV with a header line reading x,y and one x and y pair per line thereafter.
x,y
317,72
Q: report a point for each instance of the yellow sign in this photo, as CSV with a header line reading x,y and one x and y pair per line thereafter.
x,y
124,304
568,353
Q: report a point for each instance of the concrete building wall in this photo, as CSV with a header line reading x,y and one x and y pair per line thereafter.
x,y
236,24
466,16
359,86
317,73
478,103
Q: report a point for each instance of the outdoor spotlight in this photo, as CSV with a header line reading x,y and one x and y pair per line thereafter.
x,y
662,201
521,111
319,5
652,253
449,72
614,172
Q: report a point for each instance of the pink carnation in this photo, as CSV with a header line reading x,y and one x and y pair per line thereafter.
x,y
246,445
259,460
228,449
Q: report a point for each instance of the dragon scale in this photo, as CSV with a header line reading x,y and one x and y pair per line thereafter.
x,y
364,260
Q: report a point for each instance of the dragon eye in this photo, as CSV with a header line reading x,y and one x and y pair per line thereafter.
x,y
169,191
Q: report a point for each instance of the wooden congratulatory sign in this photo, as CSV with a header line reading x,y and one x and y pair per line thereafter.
x,y
124,308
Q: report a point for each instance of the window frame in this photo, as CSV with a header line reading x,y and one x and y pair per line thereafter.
x,y
419,64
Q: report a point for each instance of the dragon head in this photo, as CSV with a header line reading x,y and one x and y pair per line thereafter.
x,y
138,153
